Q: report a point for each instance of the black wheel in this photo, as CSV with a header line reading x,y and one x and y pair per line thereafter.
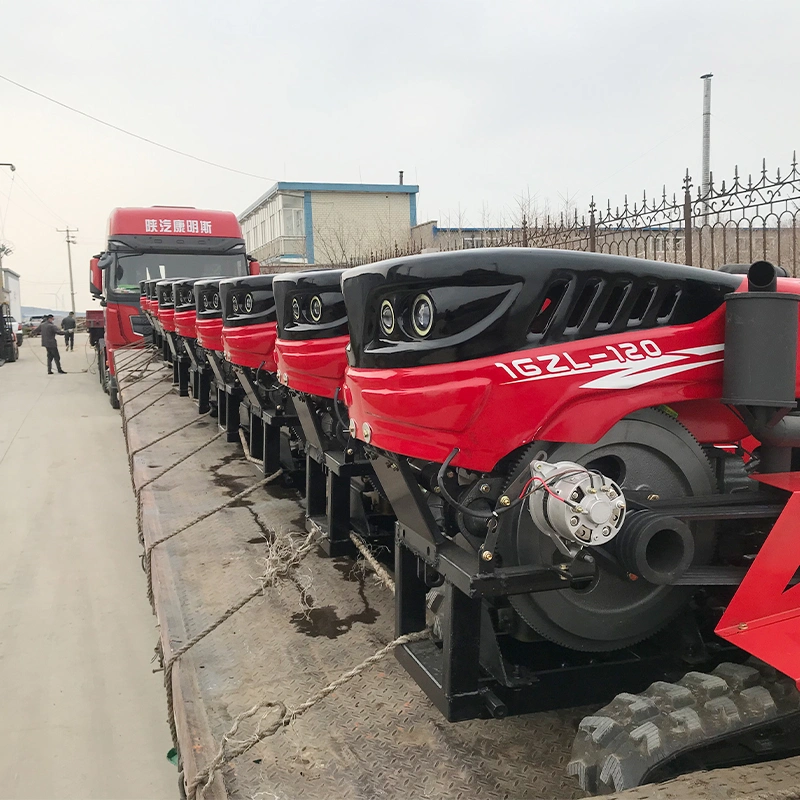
x,y
113,398
13,352
646,452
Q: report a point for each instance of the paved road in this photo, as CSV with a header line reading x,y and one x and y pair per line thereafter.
x,y
83,716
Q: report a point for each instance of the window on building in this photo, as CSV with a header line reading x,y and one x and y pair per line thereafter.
x,y
274,224
292,215
292,221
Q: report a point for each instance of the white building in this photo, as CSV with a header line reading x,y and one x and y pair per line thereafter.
x,y
298,224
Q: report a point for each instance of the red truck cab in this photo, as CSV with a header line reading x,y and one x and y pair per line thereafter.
x,y
157,243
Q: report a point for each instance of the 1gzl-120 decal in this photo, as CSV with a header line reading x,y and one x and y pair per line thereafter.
x,y
628,364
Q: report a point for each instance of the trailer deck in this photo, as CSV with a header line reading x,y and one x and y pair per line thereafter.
x,y
375,737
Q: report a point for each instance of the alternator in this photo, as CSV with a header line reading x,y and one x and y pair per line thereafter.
x,y
575,504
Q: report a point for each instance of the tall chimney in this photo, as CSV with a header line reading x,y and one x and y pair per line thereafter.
x,y
401,177
705,177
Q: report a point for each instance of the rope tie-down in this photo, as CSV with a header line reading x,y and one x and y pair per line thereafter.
x,y
148,553
285,716
284,556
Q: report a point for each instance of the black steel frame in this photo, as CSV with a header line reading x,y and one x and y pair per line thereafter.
x,y
331,468
199,375
265,423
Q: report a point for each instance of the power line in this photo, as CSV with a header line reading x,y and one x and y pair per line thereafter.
x,y
26,187
136,135
24,210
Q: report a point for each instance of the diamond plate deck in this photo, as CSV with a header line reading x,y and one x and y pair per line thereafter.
x,y
376,737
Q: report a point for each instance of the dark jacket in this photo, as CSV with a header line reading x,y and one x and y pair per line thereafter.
x,y
68,323
49,333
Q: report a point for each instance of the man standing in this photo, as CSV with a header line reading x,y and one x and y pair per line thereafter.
x,y
68,326
49,332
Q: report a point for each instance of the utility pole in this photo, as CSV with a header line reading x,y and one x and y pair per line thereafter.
x,y
5,250
70,241
705,178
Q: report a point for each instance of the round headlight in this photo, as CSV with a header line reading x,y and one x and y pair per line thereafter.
x,y
248,303
387,317
215,300
205,301
235,304
422,315
295,310
315,308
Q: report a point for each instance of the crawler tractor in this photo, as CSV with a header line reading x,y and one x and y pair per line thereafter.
x,y
214,372
342,494
254,398
559,436
185,318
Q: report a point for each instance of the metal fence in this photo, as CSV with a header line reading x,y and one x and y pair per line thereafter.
x,y
738,222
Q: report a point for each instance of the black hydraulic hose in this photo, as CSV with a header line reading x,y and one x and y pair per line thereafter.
x,y
336,411
472,512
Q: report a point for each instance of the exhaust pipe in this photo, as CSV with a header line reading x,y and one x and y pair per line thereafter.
x,y
760,367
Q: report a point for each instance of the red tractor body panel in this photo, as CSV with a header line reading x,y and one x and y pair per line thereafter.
x,y
166,317
251,345
186,323
209,334
570,392
312,366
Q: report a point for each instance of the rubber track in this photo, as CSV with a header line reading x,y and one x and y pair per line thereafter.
x,y
617,746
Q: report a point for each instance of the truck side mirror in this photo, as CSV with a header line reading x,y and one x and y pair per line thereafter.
x,y
255,267
95,277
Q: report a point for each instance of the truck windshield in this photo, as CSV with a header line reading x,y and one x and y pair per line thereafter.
x,y
129,269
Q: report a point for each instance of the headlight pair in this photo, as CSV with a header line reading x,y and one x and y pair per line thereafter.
x,y
212,303
422,316
246,305
314,309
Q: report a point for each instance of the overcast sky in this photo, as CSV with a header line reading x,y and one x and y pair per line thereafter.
x,y
478,102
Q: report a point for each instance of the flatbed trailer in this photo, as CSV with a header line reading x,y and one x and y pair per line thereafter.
x,y
375,736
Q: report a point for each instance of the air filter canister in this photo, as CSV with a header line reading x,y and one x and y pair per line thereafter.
x,y
760,367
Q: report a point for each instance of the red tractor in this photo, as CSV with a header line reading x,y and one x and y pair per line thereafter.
x,y
252,395
560,437
342,492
